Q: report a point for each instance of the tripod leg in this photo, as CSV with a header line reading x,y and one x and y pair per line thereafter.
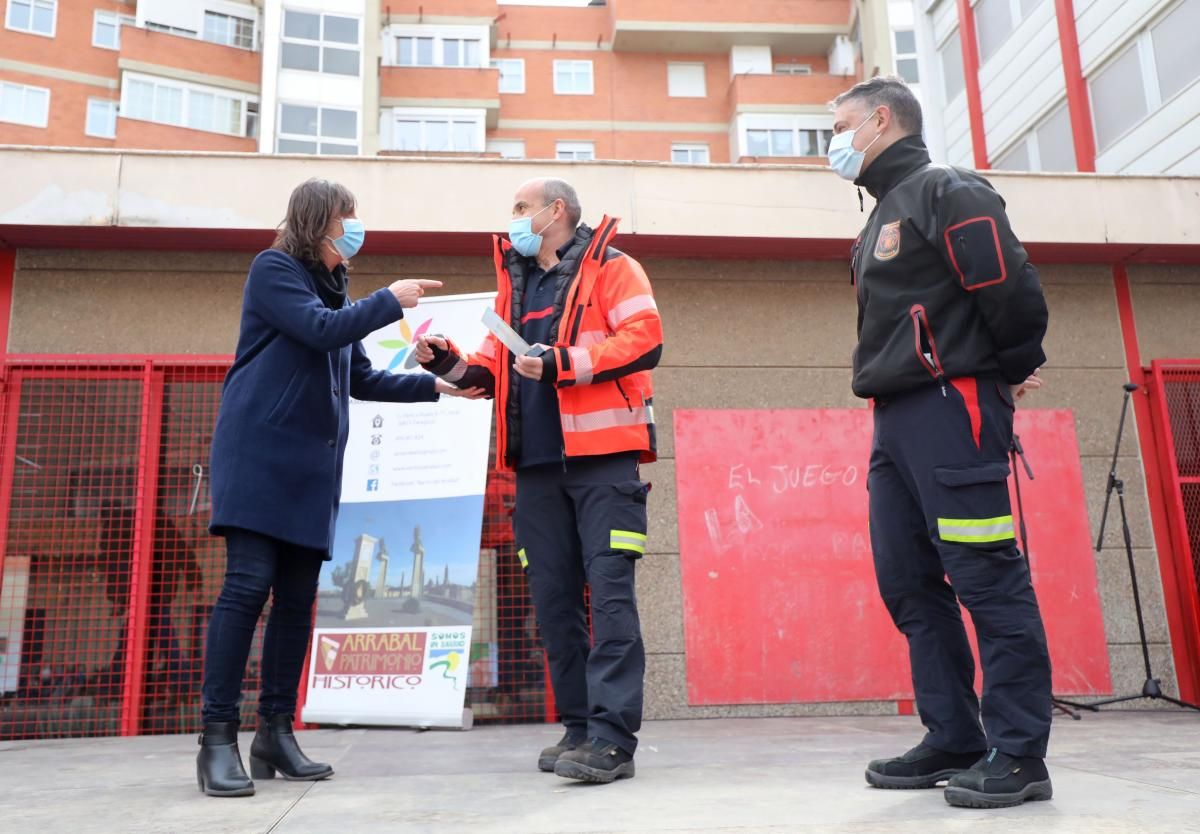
x,y
1178,702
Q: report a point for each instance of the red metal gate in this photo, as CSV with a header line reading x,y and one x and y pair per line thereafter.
x,y
1174,388
107,571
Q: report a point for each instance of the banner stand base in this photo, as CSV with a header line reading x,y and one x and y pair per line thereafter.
x,y
464,721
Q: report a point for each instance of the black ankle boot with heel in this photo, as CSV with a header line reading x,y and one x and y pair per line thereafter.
x,y
219,770
275,749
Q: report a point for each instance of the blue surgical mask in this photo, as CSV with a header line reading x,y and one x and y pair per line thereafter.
x,y
844,159
522,237
353,235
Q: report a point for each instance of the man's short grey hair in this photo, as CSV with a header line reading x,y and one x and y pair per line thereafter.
x,y
554,189
889,91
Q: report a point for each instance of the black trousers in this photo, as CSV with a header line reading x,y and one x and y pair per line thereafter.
x,y
586,523
259,567
940,510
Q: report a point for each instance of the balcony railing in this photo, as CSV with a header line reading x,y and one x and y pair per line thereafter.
x,y
802,27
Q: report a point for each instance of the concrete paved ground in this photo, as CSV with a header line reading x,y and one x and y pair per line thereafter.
x,y
1117,772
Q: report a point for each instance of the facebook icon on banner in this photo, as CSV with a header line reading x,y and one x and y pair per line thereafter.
x,y
373,485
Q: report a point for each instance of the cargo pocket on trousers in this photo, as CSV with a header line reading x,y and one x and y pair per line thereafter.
x,y
973,507
628,521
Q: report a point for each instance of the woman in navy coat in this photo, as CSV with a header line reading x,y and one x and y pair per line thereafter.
x,y
277,469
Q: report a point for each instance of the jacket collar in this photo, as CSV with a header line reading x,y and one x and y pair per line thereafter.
x,y
894,164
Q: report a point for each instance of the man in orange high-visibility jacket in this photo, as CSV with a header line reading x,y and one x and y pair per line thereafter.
x,y
574,419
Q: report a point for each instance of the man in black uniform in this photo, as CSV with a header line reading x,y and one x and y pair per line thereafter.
x,y
951,318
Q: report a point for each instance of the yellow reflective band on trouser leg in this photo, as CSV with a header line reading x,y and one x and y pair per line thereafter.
x,y
628,540
524,559
976,530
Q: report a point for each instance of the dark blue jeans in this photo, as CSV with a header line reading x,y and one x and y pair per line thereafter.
x,y
256,566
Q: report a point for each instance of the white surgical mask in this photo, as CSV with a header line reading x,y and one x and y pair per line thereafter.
x,y
844,159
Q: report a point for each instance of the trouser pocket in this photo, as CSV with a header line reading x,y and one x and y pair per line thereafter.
x,y
627,521
972,505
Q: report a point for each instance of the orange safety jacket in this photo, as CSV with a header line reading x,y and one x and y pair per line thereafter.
x,y
609,337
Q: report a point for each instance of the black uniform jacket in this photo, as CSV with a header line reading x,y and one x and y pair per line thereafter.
x,y
945,289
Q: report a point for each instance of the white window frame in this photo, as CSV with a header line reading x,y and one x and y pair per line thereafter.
x,y
317,139
439,35
575,65
112,19
187,89
476,116
568,150
492,146
898,56
31,31
691,148
1143,42
253,21
793,69
782,121
23,89
113,105
496,62
321,44
689,65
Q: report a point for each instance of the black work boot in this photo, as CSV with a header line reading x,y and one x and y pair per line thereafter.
x,y
595,761
921,767
549,757
1000,781
275,749
219,770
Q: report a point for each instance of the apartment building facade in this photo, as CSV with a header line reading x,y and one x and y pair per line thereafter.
x,y
1111,86
660,80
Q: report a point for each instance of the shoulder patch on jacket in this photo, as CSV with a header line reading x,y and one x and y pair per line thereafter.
x,y
887,245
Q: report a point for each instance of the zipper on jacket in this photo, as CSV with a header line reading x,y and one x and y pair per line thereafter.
x,y
926,347
628,402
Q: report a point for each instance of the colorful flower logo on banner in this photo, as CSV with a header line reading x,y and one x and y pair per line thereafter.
x,y
406,354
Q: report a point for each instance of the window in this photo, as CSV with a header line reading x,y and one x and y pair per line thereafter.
x,y
320,43
24,105
994,23
37,17
507,148
436,46
573,78
186,105
575,151
689,153
784,135
415,52
101,118
460,52
1176,59
1119,97
106,29
323,130
1016,159
229,30
686,81
906,55
953,78
512,74
437,131
995,20
1047,147
793,69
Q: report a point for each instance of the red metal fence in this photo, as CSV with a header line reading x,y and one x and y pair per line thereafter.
x,y
108,574
1174,388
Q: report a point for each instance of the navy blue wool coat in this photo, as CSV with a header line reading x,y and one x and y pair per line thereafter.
x,y
284,416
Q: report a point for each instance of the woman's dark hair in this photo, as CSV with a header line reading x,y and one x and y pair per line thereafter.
x,y
312,206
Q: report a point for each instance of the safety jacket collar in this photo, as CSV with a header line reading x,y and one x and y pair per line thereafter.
x,y
893,165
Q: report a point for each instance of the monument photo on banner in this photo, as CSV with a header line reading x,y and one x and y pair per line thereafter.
x,y
395,606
